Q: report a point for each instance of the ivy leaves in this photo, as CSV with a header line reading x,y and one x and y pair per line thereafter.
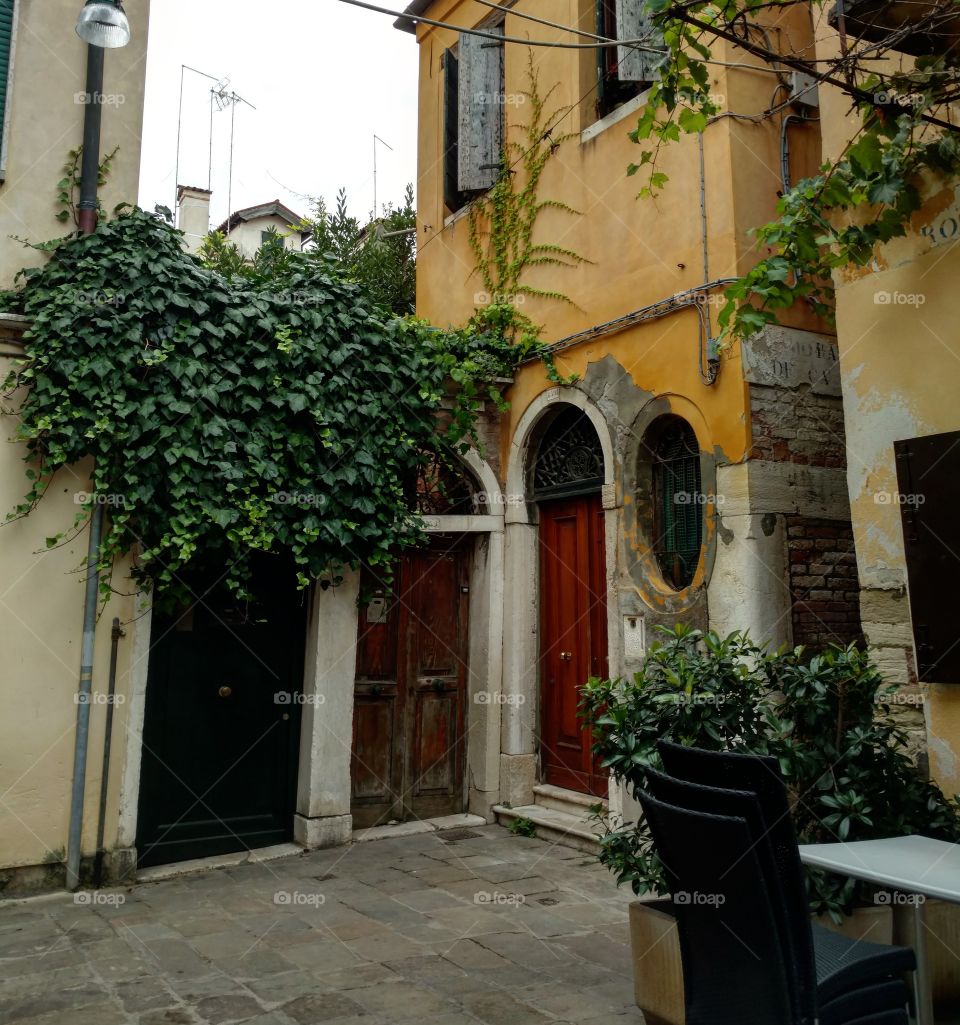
x,y
276,411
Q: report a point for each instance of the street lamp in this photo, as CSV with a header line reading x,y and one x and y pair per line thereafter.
x,y
104,23
101,25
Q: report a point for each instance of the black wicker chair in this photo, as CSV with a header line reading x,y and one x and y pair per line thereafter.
x,y
830,972
868,993
735,965
734,971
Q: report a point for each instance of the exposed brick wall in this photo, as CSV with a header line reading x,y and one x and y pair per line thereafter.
x,y
794,425
824,588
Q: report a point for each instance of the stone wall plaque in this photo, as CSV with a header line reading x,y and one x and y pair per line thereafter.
x,y
783,357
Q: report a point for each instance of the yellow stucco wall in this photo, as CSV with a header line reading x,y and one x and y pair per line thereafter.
x,y
640,251
900,366
41,591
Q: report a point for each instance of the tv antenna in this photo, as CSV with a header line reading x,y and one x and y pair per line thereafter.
x,y
376,139
223,97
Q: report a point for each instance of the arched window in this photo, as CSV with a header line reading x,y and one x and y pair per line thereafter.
x,y
678,502
445,487
569,458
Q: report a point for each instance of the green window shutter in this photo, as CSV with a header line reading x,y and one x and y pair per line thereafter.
x,y
6,52
451,128
677,487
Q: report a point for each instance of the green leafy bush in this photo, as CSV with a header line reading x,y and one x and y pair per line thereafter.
x,y
275,409
849,773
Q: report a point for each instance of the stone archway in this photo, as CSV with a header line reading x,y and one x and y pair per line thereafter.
x,y
522,712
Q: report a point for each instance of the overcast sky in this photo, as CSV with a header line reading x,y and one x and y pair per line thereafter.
x,y
324,78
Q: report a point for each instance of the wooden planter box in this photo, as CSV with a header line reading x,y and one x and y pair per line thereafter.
x,y
658,972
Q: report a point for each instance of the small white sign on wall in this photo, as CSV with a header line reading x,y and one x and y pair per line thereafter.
x,y
634,639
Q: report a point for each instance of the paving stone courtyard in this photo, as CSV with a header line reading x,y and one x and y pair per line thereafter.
x,y
491,928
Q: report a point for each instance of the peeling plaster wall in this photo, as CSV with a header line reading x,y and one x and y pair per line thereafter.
x,y
900,368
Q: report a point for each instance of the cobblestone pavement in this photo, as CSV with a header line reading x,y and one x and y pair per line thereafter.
x,y
492,928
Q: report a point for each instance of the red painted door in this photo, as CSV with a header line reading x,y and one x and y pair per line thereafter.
x,y
408,745
573,637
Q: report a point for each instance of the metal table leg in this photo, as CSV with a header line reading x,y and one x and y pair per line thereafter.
x,y
922,990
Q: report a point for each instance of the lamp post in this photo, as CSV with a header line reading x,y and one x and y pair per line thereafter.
x,y
102,25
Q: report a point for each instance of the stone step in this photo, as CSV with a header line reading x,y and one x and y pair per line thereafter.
x,y
569,801
555,826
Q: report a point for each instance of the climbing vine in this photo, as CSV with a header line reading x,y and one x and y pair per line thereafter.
x,y
278,410
502,224
68,188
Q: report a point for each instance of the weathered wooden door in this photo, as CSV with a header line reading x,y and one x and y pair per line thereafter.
x,y
221,725
573,637
408,721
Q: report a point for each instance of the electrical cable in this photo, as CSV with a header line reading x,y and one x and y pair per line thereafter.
x,y
638,44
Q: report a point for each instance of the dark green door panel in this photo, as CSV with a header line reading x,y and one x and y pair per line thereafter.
x,y
219,746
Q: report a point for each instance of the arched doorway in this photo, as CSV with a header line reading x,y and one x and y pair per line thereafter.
x,y
566,479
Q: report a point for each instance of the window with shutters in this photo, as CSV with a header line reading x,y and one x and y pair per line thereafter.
x,y
473,119
7,37
624,71
678,500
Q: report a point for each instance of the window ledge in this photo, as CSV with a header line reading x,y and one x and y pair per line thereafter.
x,y
461,213
614,117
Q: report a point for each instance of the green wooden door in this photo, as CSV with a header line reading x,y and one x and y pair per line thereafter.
x,y
221,727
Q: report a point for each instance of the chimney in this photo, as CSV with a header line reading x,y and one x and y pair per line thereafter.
x,y
193,215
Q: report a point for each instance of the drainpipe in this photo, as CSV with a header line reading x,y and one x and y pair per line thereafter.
x,y
708,346
90,165
115,634
87,208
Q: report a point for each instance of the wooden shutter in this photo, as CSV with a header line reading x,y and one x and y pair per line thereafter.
x,y
928,476
481,111
451,130
635,22
6,56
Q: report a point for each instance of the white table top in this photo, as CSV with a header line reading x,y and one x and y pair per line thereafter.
x,y
911,864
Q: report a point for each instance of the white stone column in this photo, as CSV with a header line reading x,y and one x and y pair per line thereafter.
x,y
485,676
518,760
748,589
323,816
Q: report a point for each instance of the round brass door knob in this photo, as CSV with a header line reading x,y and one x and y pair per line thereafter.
x,y
225,691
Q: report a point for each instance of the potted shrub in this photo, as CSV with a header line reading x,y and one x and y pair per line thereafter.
x,y
847,769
